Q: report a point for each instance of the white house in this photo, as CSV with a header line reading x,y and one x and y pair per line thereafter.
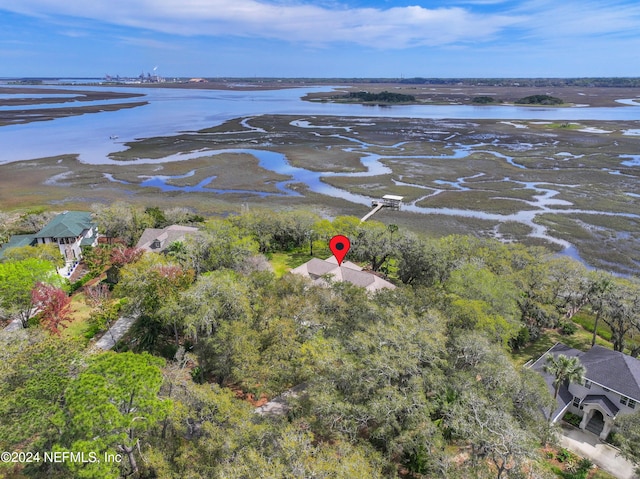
x,y
69,230
611,387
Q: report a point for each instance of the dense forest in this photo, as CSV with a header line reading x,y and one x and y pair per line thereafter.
x,y
382,97
539,100
423,381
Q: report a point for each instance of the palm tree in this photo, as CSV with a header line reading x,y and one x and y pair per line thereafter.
x,y
564,369
600,288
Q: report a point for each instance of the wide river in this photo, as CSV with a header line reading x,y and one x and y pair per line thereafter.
x,y
171,110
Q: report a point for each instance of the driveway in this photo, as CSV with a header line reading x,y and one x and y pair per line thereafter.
x,y
115,332
588,445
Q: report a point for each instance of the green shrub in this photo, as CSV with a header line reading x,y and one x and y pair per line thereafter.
x,y
81,282
522,339
563,455
585,464
572,419
567,327
614,439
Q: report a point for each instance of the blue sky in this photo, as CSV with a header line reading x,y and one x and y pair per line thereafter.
x,y
327,38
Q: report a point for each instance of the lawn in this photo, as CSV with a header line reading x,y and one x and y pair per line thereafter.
x,y
284,262
78,328
587,322
581,340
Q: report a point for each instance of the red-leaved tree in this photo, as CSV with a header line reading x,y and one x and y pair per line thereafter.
x,y
53,306
120,257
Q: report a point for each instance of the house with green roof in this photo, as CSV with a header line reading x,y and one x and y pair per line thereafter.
x,y
69,230
17,241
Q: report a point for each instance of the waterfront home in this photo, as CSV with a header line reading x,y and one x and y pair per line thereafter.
x,y
320,270
611,387
69,230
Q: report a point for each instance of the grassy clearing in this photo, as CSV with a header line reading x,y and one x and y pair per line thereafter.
x,y
581,340
78,328
587,322
284,262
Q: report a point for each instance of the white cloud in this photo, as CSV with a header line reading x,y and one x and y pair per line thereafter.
x,y
396,27
148,43
574,19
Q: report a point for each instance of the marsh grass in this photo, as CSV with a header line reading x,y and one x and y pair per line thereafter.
x,y
553,155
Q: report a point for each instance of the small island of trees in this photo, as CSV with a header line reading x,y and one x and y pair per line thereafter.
x,y
382,97
539,100
484,100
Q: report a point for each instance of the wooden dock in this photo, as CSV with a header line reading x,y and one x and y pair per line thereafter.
x,y
387,201
378,207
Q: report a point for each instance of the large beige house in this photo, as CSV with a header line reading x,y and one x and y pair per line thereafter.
x,y
322,270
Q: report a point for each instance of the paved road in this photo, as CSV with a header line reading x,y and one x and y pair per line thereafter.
x,y
588,445
115,332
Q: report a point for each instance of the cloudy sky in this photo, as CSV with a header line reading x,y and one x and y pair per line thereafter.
x,y
326,38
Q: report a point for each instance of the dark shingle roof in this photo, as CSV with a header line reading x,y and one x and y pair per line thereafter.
x,y
613,370
604,402
69,224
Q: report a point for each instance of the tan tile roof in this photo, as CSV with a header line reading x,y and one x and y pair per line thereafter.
x,y
318,270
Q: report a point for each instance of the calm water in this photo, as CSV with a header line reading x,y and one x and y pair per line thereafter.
x,y
170,111
173,110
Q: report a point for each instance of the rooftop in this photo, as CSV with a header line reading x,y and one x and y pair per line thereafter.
x,y
159,239
612,369
69,224
318,270
17,241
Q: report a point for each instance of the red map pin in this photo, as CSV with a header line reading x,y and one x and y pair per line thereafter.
x,y
339,246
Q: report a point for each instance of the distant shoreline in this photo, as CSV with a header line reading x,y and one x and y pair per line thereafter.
x,y
426,94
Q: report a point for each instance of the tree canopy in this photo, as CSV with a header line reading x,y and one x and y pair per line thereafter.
x,y
415,382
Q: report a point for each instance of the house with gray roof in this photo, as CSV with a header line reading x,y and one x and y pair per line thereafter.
x,y
158,240
611,387
320,271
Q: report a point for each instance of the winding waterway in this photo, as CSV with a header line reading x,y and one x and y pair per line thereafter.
x,y
93,137
170,111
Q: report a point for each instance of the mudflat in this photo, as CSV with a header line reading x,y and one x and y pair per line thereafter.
x,y
539,182
556,183
72,102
